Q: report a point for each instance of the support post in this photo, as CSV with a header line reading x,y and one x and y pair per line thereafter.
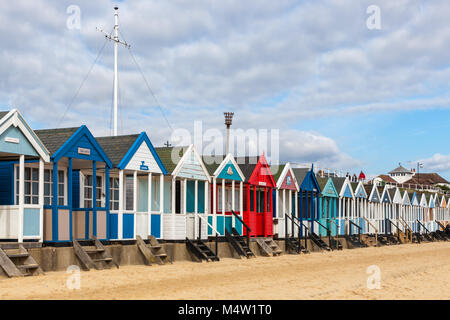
x,y
21,198
121,206
41,200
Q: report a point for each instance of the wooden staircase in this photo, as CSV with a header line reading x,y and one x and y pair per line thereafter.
x,y
355,241
153,252
16,261
369,240
92,254
239,243
201,251
294,246
269,247
319,242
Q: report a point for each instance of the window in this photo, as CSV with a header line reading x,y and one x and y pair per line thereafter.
x,y
88,193
48,187
129,193
31,184
114,193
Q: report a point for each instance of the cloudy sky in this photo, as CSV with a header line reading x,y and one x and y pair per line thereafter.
x,y
341,95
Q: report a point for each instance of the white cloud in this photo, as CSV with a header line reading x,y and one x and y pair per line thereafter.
x,y
314,59
437,162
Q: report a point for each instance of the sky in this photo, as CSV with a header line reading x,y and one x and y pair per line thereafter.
x,y
341,93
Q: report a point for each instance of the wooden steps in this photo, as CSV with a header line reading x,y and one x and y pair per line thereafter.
x,y
16,261
239,243
153,252
201,251
268,246
293,246
92,254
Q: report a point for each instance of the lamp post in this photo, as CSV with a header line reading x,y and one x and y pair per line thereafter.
x,y
228,122
419,165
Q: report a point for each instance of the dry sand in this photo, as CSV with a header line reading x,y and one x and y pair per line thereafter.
x,y
407,272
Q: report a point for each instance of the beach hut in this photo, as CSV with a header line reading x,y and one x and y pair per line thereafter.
x,y
328,206
308,198
76,186
258,203
361,205
423,211
187,191
405,208
345,203
374,209
429,212
22,160
386,210
415,209
136,185
226,194
284,199
443,211
396,203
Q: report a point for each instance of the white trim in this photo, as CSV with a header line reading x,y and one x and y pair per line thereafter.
x,y
281,178
14,120
186,154
225,161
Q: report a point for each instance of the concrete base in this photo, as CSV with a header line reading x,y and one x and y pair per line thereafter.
x,y
59,258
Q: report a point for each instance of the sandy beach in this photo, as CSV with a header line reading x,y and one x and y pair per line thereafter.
x,y
407,272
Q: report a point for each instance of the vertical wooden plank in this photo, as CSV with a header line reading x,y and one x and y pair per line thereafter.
x,y
41,200
21,197
121,205
149,205
94,198
135,201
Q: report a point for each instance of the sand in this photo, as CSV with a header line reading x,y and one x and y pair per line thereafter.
x,y
407,272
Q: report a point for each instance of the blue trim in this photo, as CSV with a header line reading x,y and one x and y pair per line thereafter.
x,y
108,214
55,202
310,183
142,137
83,130
69,197
94,198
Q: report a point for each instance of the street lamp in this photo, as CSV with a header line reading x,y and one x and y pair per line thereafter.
x,y
419,165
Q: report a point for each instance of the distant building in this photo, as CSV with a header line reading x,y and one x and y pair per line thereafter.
x,y
428,179
401,174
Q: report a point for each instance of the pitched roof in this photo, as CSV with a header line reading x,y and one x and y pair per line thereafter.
x,y
165,154
212,163
3,113
426,179
276,171
392,193
386,178
117,147
53,139
338,183
322,182
400,169
300,174
368,188
247,165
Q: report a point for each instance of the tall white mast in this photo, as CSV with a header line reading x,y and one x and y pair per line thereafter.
x,y
116,41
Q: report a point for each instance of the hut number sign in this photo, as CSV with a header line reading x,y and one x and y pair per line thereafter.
x,y
12,140
84,151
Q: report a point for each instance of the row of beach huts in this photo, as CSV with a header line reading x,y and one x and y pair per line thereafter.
x,y
60,185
